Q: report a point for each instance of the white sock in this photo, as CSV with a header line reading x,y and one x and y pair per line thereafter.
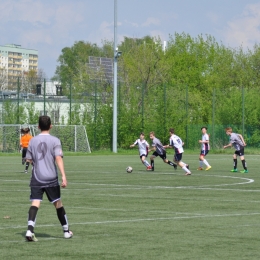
x,y
185,169
205,162
146,163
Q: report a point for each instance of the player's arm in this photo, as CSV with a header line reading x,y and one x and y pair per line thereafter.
x,y
152,149
228,145
134,144
60,164
242,139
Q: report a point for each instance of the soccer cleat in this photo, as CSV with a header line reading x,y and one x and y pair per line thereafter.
x,y
208,168
244,171
187,173
25,171
68,234
30,237
234,170
149,168
200,169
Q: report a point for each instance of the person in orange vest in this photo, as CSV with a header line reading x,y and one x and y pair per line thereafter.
x,y
24,142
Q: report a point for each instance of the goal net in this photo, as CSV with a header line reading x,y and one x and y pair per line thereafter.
x,y
73,137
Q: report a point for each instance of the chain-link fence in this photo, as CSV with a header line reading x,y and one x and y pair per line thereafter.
x,y
140,108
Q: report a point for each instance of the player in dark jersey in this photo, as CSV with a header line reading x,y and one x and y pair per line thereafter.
x,y
238,143
159,151
44,152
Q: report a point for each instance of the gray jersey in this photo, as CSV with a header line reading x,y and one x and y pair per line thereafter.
x,y
236,141
42,151
158,145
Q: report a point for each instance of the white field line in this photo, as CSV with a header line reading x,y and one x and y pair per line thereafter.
x,y
137,187
138,220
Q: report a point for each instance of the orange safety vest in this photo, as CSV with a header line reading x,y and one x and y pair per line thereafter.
x,y
25,139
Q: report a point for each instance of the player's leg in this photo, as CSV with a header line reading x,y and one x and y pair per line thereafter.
x,y
24,150
53,194
154,155
205,161
201,157
242,158
36,198
167,161
183,165
234,162
26,166
145,163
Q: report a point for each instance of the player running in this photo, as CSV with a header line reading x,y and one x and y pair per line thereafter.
x,y
204,149
45,152
24,142
177,144
159,150
143,150
238,143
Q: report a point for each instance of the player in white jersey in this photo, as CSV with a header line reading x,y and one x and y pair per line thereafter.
x,y
143,150
44,152
177,144
204,149
238,143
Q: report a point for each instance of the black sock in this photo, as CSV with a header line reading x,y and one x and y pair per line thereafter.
x,y
152,164
63,218
235,163
27,166
171,163
244,164
31,217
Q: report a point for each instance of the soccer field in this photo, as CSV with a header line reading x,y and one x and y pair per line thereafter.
x,y
142,215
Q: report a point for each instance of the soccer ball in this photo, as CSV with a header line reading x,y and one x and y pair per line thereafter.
x,y
129,169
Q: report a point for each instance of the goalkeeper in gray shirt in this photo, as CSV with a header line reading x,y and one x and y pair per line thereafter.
x,y
238,143
44,152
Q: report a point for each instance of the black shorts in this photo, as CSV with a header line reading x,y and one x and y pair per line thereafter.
x,y
177,157
53,193
163,156
143,155
24,151
204,152
240,152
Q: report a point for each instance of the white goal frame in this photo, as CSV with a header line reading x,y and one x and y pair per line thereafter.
x,y
73,137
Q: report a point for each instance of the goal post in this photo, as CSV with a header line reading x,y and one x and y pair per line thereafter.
x,y
73,137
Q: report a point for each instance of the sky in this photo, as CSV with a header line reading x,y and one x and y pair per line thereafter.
x,y
50,25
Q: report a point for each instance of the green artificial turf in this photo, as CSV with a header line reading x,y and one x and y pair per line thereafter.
x,y
143,215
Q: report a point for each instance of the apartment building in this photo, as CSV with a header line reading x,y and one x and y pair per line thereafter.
x,y
15,61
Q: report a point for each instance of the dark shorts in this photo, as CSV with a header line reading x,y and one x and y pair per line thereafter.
x,y
143,155
177,157
240,152
53,193
163,156
204,152
24,151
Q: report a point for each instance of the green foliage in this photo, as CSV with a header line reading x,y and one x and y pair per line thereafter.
x,y
196,81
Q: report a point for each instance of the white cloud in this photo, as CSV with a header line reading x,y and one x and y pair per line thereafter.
x,y
151,21
104,32
245,30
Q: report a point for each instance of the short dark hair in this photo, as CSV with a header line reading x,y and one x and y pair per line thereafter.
x,y
25,130
142,133
204,127
44,123
171,130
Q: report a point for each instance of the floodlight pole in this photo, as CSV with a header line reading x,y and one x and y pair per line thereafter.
x,y
115,81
